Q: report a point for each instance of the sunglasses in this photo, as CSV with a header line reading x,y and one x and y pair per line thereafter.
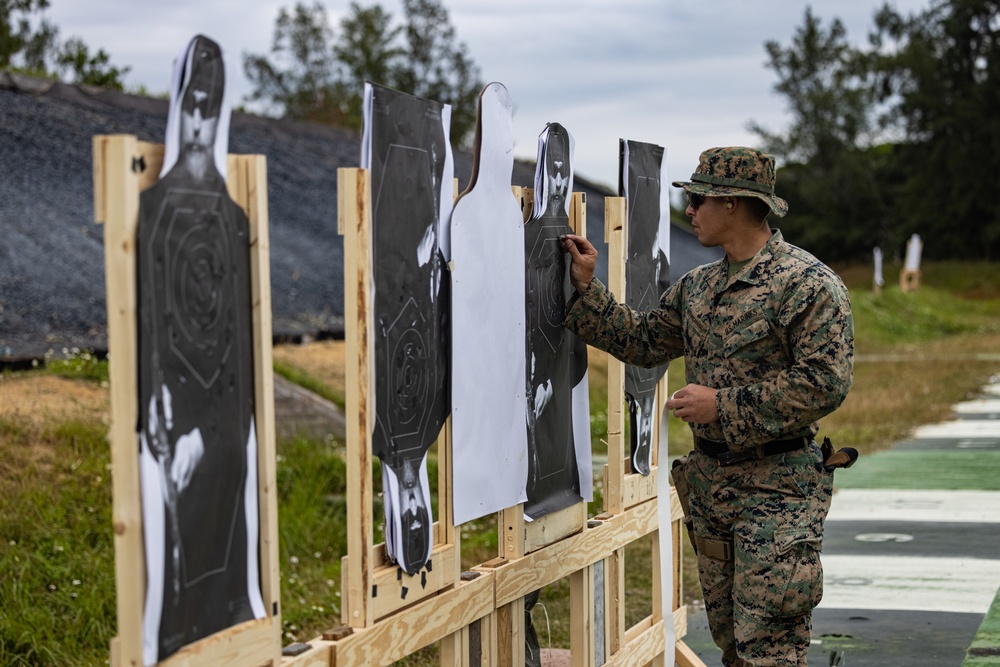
x,y
696,200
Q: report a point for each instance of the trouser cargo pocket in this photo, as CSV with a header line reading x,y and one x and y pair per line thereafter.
x,y
781,578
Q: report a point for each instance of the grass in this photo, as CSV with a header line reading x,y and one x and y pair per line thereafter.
x,y
918,353
57,604
78,365
312,481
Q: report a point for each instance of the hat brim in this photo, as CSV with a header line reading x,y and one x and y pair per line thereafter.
x,y
778,205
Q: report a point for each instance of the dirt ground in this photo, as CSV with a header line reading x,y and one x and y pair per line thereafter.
x,y
323,360
40,397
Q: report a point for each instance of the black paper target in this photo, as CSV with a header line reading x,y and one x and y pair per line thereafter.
x,y
200,271
196,378
411,369
408,150
556,360
410,379
646,277
545,284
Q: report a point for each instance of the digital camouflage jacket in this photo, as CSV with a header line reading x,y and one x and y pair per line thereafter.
x,y
776,340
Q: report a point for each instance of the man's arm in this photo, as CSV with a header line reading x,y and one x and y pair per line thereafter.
x,y
641,339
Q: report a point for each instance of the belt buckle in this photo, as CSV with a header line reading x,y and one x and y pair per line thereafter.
x,y
732,458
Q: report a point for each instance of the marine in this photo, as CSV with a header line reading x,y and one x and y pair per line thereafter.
x,y
767,338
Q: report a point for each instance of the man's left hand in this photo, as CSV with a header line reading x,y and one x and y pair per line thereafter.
x,y
694,404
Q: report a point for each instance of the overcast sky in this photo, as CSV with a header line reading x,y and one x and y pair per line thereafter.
x,y
685,74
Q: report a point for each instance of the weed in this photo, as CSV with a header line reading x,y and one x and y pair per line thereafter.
x,y
78,365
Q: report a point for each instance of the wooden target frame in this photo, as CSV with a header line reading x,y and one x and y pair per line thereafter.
x,y
123,167
476,617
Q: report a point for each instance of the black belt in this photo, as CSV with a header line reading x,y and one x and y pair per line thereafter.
x,y
721,451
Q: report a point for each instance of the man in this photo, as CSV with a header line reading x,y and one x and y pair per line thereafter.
x,y
768,340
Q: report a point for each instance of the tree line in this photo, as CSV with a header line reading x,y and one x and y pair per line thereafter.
x,y
313,73
29,42
898,137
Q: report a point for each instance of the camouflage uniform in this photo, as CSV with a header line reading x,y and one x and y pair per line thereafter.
x,y
776,341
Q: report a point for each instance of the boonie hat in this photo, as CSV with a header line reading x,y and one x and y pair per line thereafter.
x,y
735,171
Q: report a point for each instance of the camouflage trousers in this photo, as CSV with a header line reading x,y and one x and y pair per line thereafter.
x,y
760,591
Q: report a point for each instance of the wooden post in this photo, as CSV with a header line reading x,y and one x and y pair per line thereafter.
x,y
455,647
581,617
615,221
247,176
354,222
615,234
116,201
909,280
510,616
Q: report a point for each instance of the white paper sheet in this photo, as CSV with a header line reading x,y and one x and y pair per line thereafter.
x,y
877,255
913,249
489,432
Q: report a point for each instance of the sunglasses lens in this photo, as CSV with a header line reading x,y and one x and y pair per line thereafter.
x,y
696,200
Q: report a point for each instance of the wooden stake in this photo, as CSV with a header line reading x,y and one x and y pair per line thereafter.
x,y
615,230
354,220
117,206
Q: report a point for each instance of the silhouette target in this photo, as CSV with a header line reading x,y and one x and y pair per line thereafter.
x,y
411,306
196,381
556,358
488,332
647,276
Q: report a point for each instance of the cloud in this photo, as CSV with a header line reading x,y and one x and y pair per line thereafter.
x,y
684,74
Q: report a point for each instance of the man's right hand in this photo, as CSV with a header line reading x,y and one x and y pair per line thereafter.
x,y
584,258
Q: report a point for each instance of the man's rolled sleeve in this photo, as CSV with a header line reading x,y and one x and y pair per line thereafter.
x,y
641,339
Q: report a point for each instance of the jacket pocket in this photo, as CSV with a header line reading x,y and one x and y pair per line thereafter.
x,y
746,336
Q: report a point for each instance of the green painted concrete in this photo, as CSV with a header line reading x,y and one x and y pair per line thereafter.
x,y
945,470
935,469
985,648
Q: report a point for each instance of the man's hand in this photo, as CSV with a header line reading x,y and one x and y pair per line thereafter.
x,y
584,258
694,404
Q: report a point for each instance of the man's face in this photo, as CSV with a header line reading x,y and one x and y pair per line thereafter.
x,y
202,100
709,222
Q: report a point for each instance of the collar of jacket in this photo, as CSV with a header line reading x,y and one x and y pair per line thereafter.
x,y
752,273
